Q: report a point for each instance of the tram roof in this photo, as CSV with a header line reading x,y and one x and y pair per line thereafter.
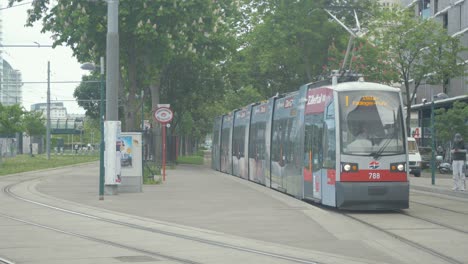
x,y
350,86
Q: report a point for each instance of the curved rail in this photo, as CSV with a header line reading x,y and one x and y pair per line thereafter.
x,y
7,190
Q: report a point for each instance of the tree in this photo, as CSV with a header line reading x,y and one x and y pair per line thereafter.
x,y
33,123
451,121
11,119
152,34
418,49
88,95
365,59
287,43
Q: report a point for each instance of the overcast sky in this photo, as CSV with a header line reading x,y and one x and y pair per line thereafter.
x,y
32,62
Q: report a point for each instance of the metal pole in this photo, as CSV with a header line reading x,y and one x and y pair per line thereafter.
x,y
142,138
48,112
112,57
164,150
433,139
102,145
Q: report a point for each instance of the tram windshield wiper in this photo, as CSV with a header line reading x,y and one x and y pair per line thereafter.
x,y
378,153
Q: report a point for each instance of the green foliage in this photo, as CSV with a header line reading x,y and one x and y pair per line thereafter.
x,y
288,46
92,131
88,95
365,59
195,160
11,119
24,163
451,121
34,123
154,36
151,174
415,48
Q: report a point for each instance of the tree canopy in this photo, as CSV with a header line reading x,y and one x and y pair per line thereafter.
x,y
152,35
208,57
14,119
451,121
10,119
418,50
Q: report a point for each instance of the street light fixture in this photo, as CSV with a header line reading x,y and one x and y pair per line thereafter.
x,y
90,67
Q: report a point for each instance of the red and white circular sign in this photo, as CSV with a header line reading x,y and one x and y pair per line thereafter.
x,y
163,115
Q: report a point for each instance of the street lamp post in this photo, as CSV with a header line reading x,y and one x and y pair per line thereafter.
x,y
90,66
112,57
433,140
48,112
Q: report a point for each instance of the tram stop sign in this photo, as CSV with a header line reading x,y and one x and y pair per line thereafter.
x,y
163,115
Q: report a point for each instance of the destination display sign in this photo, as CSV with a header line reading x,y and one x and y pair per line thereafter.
x,y
366,101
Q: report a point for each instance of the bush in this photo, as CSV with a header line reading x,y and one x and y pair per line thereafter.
x,y
195,160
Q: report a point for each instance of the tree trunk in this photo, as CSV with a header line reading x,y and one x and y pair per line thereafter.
x,y
130,113
155,97
408,107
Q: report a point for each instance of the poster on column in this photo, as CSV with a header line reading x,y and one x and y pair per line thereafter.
x,y
131,158
112,154
126,149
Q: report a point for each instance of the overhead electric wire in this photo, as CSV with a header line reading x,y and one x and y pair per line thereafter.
x,y
3,8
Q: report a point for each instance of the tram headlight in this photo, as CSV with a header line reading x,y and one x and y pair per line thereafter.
x,y
397,167
349,167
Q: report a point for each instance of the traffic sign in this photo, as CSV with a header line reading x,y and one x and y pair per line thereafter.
x,y
163,115
415,132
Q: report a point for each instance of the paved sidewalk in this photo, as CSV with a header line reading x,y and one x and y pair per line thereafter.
x,y
198,198
443,184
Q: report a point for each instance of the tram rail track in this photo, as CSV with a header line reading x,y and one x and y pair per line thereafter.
x,y
7,190
440,208
101,241
409,242
6,261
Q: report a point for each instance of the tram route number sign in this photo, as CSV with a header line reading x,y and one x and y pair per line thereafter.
x,y
163,115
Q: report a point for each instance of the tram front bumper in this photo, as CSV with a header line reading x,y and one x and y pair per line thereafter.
x,y
372,195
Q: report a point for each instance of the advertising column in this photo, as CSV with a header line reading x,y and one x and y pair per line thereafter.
x,y
112,156
131,162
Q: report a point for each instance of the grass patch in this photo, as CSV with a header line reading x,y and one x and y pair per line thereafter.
x,y
195,160
24,163
151,174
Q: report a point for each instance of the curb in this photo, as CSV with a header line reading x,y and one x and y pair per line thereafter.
x,y
440,191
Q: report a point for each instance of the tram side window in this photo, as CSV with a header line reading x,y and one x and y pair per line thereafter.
x,y
276,147
313,142
329,141
253,141
238,141
280,143
215,137
225,141
289,152
257,140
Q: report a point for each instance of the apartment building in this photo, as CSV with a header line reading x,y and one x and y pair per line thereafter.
x,y
453,15
57,110
10,79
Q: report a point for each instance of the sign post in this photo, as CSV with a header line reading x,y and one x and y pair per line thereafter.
x,y
163,114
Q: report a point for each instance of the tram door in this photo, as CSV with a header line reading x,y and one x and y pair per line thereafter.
x,y
313,156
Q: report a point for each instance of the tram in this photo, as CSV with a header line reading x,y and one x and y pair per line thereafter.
x,y
337,143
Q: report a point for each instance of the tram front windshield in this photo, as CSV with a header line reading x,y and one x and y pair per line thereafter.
x,y
371,123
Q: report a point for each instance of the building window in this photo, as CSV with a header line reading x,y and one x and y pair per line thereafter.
x,y
425,8
436,6
445,20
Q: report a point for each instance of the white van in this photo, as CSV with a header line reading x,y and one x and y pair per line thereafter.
x,y
414,157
